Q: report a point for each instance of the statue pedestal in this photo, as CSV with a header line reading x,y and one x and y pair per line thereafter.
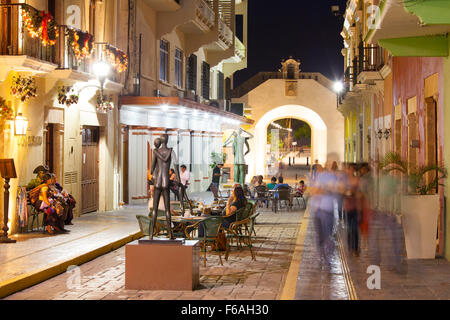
x,y
162,266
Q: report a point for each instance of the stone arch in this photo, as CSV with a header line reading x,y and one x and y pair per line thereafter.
x,y
313,119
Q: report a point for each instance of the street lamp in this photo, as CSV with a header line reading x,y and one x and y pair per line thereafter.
x,y
338,87
101,70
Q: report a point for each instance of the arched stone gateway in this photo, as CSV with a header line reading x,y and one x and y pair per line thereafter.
x,y
318,130
270,96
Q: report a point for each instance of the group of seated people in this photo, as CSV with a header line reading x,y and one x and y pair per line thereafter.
x,y
274,184
47,195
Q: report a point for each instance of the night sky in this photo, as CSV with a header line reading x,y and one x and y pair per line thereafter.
x,y
304,29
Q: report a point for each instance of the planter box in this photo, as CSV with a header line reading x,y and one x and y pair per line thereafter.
x,y
420,220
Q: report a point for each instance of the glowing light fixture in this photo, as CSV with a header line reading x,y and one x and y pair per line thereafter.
x,y
20,125
338,87
101,70
165,107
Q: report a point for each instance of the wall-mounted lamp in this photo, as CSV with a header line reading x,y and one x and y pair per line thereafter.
x,y
414,144
20,125
387,133
379,134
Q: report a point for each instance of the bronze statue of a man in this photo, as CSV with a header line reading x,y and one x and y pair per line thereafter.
x,y
162,158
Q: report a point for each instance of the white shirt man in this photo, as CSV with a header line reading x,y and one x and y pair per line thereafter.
x,y
185,176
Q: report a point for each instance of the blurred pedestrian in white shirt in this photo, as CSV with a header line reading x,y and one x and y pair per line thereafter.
x,y
185,176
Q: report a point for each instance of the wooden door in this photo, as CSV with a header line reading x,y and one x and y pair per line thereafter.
x,y
89,178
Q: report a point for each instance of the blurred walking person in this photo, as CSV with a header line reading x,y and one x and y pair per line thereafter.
x,y
351,207
324,190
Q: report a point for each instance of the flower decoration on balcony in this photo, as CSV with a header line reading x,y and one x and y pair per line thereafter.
x,y
6,113
104,103
82,43
49,29
23,88
117,58
67,96
40,24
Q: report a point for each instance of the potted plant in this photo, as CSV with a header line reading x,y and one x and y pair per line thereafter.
x,y
420,206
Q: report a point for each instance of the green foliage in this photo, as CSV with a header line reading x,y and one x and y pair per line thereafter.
x,y
303,132
217,158
417,176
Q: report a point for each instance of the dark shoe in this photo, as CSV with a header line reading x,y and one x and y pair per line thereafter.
x,y
69,224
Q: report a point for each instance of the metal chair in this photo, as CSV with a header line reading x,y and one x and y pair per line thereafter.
x,y
284,194
212,226
300,196
262,195
241,230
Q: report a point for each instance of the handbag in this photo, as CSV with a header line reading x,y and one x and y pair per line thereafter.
x,y
221,241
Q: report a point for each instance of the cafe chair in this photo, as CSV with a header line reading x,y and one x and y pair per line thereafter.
x,y
242,231
300,196
284,195
144,225
262,195
253,222
212,226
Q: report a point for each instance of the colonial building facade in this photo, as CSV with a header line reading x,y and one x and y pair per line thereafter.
x,y
170,69
396,70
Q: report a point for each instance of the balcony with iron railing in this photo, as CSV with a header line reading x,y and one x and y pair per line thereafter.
x,y
370,61
195,17
225,33
239,48
16,41
67,57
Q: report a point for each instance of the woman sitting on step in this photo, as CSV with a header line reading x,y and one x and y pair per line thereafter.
x,y
53,214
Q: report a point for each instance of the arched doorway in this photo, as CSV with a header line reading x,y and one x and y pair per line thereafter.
x,y
258,155
289,142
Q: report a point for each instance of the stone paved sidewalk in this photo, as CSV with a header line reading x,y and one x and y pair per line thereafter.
x,y
36,253
413,279
239,278
316,281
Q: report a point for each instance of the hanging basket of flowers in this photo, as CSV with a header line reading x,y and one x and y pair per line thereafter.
x,y
6,113
117,58
67,96
23,88
40,24
82,43
104,103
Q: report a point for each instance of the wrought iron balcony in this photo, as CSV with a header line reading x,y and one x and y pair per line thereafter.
x,y
373,59
15,40
205,13
239,48
71,56
225,33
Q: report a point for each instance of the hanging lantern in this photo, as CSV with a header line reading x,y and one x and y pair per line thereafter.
x,y
20,125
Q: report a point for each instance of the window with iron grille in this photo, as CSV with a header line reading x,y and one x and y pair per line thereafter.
x,y
220,85
191,73
164,61
205,80
178,68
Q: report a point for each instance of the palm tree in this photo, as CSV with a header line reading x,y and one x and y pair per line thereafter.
x,y
416,176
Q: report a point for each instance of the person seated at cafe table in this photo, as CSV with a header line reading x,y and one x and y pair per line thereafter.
x,y
235,202
301,188
260,181
279,185
272,184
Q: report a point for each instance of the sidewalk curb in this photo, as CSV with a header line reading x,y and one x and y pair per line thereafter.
x,y
32,278
290,284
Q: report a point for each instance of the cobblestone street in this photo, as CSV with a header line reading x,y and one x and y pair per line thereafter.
x,y
239,278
